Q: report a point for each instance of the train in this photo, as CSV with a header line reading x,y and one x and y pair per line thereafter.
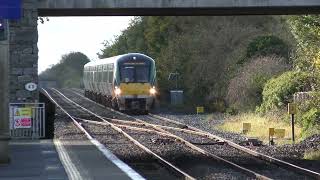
x,y
125,82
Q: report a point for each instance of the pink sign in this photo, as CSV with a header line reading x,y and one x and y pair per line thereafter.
x,y
22,122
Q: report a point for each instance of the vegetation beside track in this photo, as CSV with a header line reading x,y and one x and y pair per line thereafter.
x,y
312,155
260,127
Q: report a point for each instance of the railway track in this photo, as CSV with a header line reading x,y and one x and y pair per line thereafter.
x,y
266,165
239,172
73,109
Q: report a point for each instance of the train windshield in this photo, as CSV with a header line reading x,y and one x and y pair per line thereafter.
x,y
134,73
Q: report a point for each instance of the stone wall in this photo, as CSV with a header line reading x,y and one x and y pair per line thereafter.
x,y
300,97
23,58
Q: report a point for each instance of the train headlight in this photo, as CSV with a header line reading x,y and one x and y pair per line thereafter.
x,y
153,91
117,91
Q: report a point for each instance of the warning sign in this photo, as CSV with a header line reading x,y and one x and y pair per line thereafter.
x,y
22,118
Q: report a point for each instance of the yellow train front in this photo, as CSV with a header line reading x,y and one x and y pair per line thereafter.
x,y
126,82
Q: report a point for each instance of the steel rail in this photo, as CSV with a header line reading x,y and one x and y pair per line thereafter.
x,y
247,150
187,143
130,172
160,159
206,153
267,158
120,122
196,148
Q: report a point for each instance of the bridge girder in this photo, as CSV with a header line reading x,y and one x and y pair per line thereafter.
x,y
175,7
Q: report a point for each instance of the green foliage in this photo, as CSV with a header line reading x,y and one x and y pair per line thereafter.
x,y
279,91
309,114
204,50
245,89
306,30
310,119
216,105
68,72
267,45
312,155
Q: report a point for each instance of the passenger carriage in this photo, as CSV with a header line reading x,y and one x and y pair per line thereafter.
x,y
125,82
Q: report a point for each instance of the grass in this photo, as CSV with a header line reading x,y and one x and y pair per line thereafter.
x,y
260,127
312,155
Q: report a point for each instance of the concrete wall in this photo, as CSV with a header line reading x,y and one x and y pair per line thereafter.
x,y
172,3
175,7
23,60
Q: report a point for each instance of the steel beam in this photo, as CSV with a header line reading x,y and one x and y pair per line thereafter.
x,y
175,7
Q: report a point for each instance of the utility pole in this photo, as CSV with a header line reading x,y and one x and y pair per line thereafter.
x,y
4,96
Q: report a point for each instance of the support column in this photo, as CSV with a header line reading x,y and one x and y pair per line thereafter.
x,y
23,51
4,100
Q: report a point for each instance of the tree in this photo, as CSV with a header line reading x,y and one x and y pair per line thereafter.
x,y
68,72
306,30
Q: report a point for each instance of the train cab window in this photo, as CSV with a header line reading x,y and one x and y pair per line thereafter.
x,y
127,74
142,73
134,74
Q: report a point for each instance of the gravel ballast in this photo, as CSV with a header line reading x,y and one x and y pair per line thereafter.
x,y
290,153
199,121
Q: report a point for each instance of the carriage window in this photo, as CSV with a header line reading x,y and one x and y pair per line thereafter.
x,y
110,76
99,76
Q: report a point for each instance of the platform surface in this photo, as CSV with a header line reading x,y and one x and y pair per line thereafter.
x,y
44,159
33,160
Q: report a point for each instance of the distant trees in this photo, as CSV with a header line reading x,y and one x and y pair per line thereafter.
x,y
68,72
203,50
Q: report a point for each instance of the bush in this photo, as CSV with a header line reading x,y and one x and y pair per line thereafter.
x,y
310,118
266,45
279,91
309,114
245,89
216,105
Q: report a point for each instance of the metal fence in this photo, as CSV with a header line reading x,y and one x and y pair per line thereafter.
x,y
27,120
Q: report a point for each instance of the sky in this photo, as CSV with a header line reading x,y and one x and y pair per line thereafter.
x,y
61,35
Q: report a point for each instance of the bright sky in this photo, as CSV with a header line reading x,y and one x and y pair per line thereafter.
x,y
61,35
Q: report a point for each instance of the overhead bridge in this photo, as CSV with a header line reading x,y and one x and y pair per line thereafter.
x,y
175,7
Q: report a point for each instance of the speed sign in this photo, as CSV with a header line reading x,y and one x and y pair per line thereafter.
x,y
31,86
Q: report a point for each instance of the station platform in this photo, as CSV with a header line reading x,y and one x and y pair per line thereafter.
x,y
60,160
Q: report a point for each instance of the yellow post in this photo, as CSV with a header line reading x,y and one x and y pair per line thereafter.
x,y
292,109
200,109
246,127
271,134
280,133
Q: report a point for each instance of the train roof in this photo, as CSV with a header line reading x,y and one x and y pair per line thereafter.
x,y
116,58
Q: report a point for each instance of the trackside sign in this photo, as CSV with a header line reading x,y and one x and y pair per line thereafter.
x,y
10,9
22,118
